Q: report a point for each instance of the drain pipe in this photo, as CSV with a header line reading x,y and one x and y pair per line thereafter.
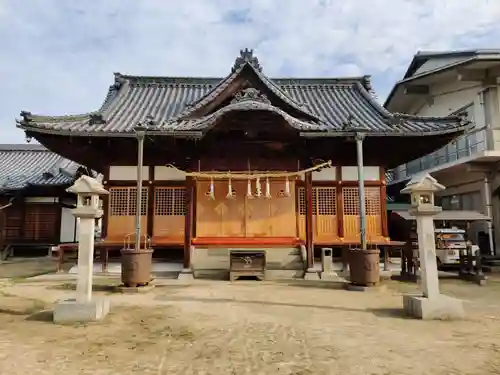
x,y
489,213
140,134
361,184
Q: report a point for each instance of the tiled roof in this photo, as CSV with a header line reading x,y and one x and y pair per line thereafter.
x,y
457,59
331,106
422,56
27,165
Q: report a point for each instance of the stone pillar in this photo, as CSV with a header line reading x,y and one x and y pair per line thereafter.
x,y
427,255
85,258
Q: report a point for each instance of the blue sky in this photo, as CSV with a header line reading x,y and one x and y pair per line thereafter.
x,y
58,56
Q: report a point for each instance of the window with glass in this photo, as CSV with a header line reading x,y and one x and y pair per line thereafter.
x,y
466,202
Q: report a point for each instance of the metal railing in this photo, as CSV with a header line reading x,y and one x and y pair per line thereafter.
x,y
450,152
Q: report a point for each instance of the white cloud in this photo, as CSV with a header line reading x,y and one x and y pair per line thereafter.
x,y
58,56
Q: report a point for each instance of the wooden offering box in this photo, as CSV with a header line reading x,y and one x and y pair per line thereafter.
x,y
247,263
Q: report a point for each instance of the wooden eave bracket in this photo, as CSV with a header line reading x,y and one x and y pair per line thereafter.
x,y
416,89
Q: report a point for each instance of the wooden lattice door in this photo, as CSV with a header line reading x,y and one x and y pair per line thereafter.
x,y
373,213
325,222
169,213
324,210
122,212
351,213
350,200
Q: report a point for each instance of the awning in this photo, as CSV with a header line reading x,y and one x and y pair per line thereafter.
x,y
448,215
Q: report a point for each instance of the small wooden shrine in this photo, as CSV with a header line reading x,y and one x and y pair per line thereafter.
x,y
242,161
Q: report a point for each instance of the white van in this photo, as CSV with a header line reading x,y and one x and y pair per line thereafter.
x,y
449,242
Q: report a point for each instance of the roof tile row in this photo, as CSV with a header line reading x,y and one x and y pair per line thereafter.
x,y
27,165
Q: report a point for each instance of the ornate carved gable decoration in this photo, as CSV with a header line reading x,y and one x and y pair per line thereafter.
x,y
250,94
246,56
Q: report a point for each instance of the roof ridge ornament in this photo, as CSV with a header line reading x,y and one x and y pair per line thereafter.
x,y
246,57
250,94
396,120
26,116
348,123
96,118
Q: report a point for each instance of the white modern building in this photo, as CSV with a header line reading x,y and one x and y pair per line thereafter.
x,y
463,83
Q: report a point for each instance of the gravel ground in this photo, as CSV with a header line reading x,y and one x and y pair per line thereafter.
x,y
249,327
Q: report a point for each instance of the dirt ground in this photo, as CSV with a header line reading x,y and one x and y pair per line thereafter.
x,y
246,327
27,267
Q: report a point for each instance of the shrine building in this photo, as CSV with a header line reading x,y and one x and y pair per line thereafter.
x,y
244,161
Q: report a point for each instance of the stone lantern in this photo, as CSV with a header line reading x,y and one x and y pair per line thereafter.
x,y
83,308
431,304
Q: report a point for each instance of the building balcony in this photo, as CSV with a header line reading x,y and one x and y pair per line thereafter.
x,y
469,148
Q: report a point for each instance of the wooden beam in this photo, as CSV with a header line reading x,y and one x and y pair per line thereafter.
x,y
340,202
188,223
383,203
57,233
416,90
105,204
22,234
309,220
151,202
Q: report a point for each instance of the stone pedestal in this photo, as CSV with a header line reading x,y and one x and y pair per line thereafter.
x,y
437,307
327,272
332,276
73,311
312,274
186,275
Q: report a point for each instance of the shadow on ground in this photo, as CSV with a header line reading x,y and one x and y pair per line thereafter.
x,y
42,316
379,312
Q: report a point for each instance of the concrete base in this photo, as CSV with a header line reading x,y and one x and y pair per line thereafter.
x,y
72,311
186,275
441,307
332,276
312,274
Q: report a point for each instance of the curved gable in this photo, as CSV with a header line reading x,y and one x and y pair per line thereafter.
x,y
246,73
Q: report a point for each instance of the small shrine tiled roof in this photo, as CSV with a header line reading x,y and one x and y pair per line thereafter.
x,y
23,165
